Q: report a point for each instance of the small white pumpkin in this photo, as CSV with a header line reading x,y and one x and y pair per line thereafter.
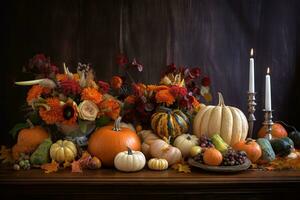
x,y
63,151
158,164
130,161
185,142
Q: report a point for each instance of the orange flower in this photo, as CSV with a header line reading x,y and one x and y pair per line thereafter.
x,y
54,114
195,103
111,108
63,77
70,113
91,94
35,92
164,96
130,99
116,82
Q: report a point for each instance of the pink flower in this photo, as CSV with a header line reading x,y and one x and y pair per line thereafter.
x,y
138,65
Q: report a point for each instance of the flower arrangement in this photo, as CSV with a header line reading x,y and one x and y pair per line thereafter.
x,y
73,102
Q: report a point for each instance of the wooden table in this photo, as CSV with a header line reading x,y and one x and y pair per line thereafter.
x,y
111,184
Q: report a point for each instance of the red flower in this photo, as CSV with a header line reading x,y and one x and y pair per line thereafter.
x,y
177,91
104,86
70,87
205,81
170,69
195,72
122,60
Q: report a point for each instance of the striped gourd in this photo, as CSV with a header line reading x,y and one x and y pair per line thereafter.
x,y
169,123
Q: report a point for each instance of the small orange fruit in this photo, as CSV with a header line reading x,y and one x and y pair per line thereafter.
x,y
212,157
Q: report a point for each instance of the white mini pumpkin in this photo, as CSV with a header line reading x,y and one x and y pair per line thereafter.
x,y
158,164
63,151
185,142
130,161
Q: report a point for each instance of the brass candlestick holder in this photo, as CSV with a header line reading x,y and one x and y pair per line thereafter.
x,y
251,110
268,123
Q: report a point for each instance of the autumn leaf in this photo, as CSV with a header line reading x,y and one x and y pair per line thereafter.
x,y
182,167
67,164
50,167
76,168
6,155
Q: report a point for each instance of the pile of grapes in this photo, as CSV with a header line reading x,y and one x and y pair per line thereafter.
x,y
232,157
22,163
205,142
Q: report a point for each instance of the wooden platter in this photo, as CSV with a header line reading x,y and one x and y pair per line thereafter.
x,y
227,169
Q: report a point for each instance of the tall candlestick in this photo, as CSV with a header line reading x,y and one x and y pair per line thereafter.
x,y
268,103
251,73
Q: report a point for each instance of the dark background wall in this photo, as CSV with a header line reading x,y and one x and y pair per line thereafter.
x,y
213,34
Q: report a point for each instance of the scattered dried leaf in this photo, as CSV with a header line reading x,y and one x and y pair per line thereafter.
x,y
67,164
50,167
76,167
6,155
182,167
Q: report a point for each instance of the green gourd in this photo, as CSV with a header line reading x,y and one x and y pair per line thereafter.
x,y
293,134
41,154
281,147
219,143
268,153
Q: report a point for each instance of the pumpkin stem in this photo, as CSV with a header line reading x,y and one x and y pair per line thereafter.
x,y
129,151
29,123
188,137
221,99
248,140
117,125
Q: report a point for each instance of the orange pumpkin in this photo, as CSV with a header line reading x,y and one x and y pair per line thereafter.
x,y
106,142
28,140
212,157
252,149
278,131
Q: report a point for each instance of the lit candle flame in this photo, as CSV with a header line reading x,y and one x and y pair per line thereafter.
x,y
251,52
268,70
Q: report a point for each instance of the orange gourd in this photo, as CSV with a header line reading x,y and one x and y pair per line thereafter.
x,y
106,142
212,157
252,149
278,131
28,140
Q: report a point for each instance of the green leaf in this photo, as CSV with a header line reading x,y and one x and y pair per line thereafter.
x,y
102,121
82,126
15,130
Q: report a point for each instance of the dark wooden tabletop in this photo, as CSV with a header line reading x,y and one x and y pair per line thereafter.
x,y
111,184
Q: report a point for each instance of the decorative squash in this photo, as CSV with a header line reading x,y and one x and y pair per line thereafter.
x,y
158,164
219,143
28,140
281,147
252,149
63,151
130,161
195,150
268,153
147,136
229,122
161,149
169,123
106,142
278,131
185,142
212,157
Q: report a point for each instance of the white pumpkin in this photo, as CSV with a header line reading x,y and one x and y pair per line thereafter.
x,y
185,142
130,161
161,149
147,137
158,164
229,122
63,151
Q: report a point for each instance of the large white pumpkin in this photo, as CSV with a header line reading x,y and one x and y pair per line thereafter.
x,y
229,122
